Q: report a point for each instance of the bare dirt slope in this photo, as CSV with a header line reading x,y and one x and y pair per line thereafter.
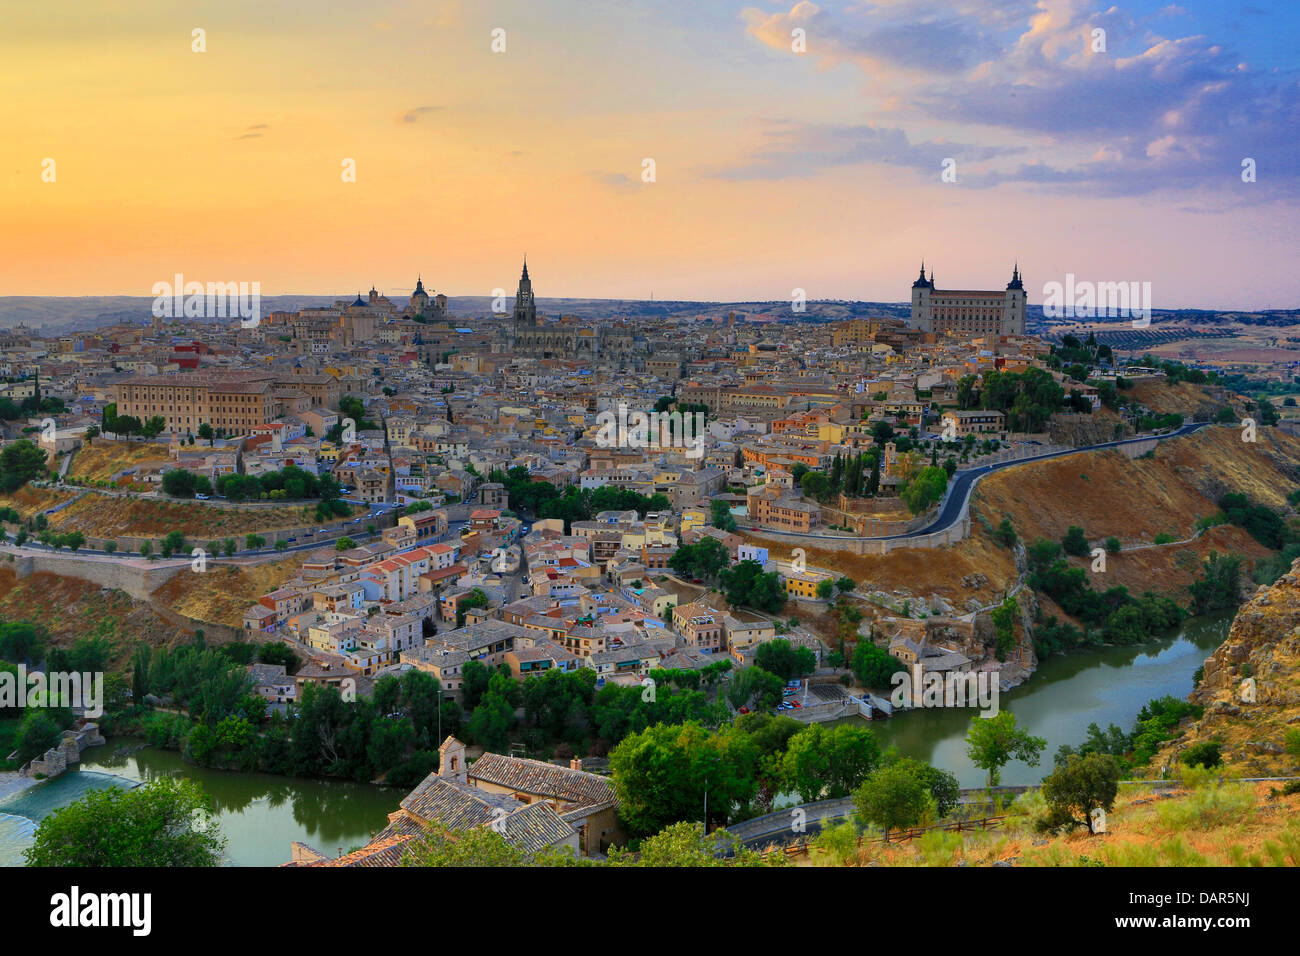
x,y
1263,644
103,459
71,608
1106,493
103,515
224,592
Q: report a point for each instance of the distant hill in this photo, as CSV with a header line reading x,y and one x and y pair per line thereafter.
x,y
57,315
61,314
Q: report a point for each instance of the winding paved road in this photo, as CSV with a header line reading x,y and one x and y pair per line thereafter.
x,y
950,509
963,483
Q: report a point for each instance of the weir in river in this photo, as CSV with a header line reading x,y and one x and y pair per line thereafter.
x,y
21,812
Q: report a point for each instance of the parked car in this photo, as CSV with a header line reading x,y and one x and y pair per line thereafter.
x,y
203,497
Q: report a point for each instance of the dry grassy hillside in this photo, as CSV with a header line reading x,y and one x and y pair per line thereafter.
x,y
1107,493
917,571
103,459
1182,398
29,501
1235,824
71,608
104,515
225,591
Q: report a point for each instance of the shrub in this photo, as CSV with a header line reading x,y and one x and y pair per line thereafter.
x,y
836,845
1206,753
1075,542
1209,806
1291,742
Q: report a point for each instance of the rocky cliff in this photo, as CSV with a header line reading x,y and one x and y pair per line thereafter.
x,y
1252,723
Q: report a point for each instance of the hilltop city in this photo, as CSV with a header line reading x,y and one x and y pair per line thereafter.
x,y
515,535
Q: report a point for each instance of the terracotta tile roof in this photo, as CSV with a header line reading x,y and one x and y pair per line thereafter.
x,y
534,827
377,853
456,805
401,825
544,779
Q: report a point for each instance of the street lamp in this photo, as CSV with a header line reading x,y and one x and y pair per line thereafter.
x,y
706,796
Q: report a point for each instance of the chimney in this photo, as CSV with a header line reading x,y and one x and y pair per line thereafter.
x,y
575,763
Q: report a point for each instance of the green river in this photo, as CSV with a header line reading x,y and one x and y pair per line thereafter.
x,y
261,814
1068,692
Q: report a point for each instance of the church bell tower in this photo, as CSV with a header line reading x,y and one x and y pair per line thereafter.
x,y
525,307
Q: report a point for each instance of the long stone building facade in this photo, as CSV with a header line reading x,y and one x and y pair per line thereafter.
x,y
228,400
969,311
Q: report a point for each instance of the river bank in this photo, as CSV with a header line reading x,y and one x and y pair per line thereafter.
x,y
259,814
1066,693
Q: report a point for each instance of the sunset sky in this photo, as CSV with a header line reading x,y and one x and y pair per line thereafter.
x,y
774,169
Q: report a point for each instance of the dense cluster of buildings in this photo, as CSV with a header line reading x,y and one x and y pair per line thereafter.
x,y
544,600
444,398
439,403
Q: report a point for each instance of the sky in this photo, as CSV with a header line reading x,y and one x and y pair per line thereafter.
x,y
128,155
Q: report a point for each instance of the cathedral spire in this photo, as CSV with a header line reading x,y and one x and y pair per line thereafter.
x,y
525,307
